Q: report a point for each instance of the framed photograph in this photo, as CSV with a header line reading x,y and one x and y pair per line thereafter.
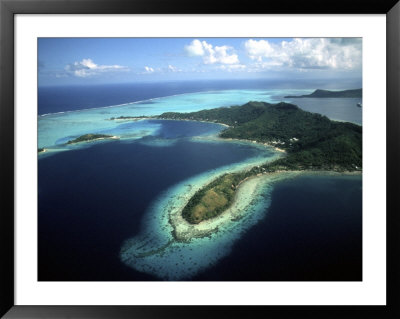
x,y
168,159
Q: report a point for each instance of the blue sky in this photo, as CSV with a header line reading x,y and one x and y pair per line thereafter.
x,y
77,61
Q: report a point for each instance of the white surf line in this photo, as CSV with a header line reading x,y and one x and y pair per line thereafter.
x,y
129,103
141,101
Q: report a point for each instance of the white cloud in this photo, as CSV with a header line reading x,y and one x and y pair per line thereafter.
x,y
148,69
195,48
211,54
168,69
87,67
222,55
172,68
256,50
87,63
302,53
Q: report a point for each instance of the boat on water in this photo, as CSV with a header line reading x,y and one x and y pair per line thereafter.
x,y
359,104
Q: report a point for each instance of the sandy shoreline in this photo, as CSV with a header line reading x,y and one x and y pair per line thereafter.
x,y
130,119
232,139
114,137
186,120
184,231
248,189
249,142
255,142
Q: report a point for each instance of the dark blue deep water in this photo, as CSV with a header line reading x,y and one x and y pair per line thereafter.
x,y
70,98
312,231
91,200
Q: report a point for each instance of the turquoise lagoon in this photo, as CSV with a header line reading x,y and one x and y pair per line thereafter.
x,y
152,248
54,130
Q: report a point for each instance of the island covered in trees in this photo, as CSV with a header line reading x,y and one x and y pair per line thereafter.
x,y
357,93
311,142
134,118
89,137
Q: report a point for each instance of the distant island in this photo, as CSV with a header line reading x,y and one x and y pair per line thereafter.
x,y
90,137
357,93
132,118
311,141
41,150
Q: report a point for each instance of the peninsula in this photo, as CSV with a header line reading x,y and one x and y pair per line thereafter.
x,y
357,93
311,141
90,137
131,118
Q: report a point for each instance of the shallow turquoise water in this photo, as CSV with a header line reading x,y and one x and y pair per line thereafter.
x,y
110,203
153,251
55,129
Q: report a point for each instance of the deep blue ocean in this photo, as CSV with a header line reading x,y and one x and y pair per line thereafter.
x,y
312,231
69,98
90,200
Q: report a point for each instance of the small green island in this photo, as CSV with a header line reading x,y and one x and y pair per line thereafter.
x,y
357,93
41,150
310,141
90,137
131,118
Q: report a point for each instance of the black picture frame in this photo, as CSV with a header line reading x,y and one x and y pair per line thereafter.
x,y
8,8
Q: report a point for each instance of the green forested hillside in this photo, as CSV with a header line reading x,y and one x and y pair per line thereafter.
x,y
311,140
88,137
357,93
234,115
